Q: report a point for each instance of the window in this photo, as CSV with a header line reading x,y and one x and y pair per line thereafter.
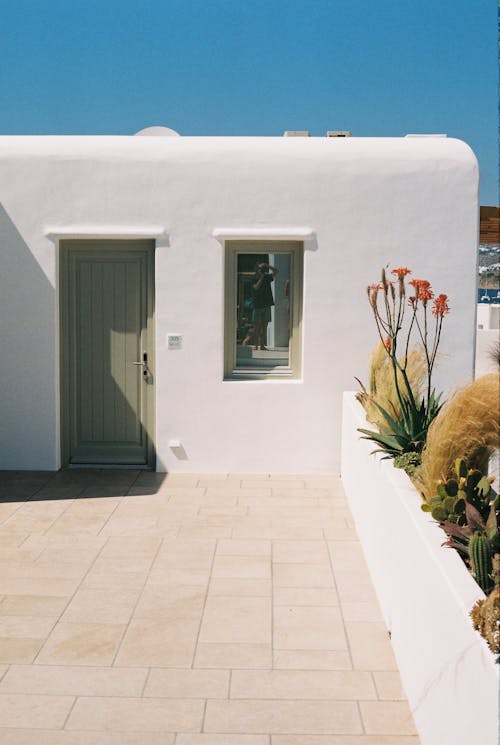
x,y
263,297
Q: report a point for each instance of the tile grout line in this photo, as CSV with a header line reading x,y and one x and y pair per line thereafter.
x,y
20,545
204,603
66,719
361,717
72,501
118,504
272,605
78,587
146,680
204,715
340,601
162,539
132,485
70,598
37,491
68,507
29,501
127,625
344,625
21,504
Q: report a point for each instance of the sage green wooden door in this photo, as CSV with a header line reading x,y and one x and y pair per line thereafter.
x,y
107,355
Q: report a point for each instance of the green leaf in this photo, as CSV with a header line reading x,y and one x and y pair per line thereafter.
x,y
473,479
407,432
483,486
451,487
449,504
459,506
388,442
461,468
439,513
441,490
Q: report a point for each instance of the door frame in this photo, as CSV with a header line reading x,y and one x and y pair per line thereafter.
x,y
66,246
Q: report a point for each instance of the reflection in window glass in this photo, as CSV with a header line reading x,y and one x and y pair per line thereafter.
x,y
263,310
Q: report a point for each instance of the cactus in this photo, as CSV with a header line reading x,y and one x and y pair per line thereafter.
x,y
470,487
468,510
481,560
486,612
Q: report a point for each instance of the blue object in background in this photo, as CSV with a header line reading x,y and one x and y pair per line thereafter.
x,y
488,296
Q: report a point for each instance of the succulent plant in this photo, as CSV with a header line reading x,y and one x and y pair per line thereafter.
x,y
470,487
481,560
486,612
468,510
409,462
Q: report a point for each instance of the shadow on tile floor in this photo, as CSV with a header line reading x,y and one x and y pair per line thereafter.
x,y
24,486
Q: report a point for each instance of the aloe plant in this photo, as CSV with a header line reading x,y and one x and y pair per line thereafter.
x,y
406,432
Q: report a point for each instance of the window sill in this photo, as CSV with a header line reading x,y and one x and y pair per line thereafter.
x,y
252,375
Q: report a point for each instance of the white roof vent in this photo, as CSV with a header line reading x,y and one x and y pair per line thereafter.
x,y
296,133
339,133
157,132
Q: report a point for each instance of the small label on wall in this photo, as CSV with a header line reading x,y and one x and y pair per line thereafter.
x,y
174,341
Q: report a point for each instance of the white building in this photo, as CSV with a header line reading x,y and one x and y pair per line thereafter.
x,y
113,248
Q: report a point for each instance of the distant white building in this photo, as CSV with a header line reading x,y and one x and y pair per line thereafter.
x,y
128,276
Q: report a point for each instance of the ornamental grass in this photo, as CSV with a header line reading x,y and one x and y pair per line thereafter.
x,y
382,393
467,427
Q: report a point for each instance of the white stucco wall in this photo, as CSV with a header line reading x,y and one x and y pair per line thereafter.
x,y
425,594
407,201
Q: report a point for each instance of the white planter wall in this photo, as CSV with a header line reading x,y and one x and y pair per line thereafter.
x,y
488,316
425,593
367,201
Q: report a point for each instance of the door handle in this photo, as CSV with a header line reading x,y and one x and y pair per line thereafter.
x,y
144,364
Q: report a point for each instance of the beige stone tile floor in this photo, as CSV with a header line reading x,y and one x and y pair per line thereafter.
x,y
212,609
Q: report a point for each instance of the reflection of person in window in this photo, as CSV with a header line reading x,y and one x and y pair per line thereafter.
x,y
262,302
287,303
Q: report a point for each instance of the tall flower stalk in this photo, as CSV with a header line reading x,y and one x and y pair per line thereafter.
x,y
389,304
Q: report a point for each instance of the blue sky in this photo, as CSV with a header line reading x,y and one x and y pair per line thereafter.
x,y
253,67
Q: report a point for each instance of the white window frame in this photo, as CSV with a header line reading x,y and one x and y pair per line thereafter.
x,y
233,248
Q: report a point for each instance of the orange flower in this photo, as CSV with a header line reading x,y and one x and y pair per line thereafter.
x,y
401,271
423,289
387,344
440,306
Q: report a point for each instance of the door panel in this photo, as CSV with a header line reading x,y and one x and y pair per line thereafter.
x,y
107,326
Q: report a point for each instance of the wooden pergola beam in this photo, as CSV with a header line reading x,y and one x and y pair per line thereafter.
x,y
489,225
